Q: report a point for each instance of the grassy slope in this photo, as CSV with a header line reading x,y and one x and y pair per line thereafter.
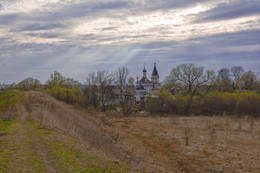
x,y
19,151
27,147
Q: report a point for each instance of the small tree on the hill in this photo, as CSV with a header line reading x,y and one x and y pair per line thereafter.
x,y
29,84
56,79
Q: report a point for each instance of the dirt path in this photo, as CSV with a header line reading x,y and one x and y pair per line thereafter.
x,y
37,145
42,150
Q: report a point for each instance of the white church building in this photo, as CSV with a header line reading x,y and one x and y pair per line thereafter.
x,y
145,86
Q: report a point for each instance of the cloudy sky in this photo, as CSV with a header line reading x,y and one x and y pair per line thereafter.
x,y
76,37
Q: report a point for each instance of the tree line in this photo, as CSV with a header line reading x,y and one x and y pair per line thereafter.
x,y
100,86
188,89
229,91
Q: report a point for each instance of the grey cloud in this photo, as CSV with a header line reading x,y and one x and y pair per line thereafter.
x,y
169,4
89,9
39,26
243,38
109,28
9,19
45,35
229,11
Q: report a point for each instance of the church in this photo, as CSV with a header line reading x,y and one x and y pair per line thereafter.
x,y
145,86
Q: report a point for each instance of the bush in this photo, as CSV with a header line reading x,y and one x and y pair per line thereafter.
x,y
213,103
66,94
161,103
236,103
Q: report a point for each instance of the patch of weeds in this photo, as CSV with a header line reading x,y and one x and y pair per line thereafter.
x,y
30,122
6,126
91,170
9,98
183,165
42,129
5,158
73,160
47,132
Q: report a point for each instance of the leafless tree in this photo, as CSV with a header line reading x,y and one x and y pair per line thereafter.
x,y
91,90
236,72
191,78
224,74
104,79
248,80
223,80
98,87
71,83
121,77
131,81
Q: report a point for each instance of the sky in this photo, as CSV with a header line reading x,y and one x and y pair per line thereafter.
x,y
76,37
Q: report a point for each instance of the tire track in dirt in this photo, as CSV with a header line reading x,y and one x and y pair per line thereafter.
x,y
42,150
39,145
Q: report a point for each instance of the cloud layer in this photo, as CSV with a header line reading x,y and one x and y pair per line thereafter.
x,y
76,37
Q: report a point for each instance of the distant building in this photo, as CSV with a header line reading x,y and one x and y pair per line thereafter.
x,y
145,86
3,86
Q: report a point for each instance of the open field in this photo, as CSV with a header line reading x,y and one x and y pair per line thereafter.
x,y
51,136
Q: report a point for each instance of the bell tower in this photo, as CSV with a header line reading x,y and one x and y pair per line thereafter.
x,y
155,76
144,72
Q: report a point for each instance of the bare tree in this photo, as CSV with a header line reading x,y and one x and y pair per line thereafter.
x,y
131,81
91,90
236,72
98,87
104,79
191,78
223,80
224,74
248,80
71,83
121,77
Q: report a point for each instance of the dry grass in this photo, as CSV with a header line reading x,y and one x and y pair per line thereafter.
x,y
192,144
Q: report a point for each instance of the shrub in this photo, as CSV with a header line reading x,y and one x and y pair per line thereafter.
x,y
67,94
212,103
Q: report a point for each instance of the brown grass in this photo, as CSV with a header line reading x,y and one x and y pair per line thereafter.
x,y
193,144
